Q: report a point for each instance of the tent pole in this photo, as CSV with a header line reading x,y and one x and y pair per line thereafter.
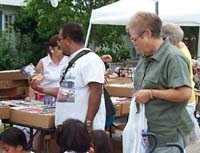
x,y
198,50
88,34
157,7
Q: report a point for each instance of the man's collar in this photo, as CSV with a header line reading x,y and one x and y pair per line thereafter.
x,y
76,52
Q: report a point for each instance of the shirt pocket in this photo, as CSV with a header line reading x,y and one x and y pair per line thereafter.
x,y
151,81
138,80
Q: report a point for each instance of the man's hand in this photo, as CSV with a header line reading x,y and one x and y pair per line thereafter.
x,y
88,124
89,129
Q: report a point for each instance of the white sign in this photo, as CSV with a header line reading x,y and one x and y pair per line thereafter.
x,y
54,3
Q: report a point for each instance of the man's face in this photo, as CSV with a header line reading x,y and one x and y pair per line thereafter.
x,y
63,43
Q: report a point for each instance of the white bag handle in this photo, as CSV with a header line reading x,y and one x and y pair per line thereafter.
x,y
136,126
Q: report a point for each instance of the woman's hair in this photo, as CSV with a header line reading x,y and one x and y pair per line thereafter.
x,y
72,135
145,20
14,137
101,142
173,32
53,42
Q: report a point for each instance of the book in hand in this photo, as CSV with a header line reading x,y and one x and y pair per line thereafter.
x,y
31,72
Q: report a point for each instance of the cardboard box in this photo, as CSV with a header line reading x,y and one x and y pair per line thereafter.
x,y
118,80
117,109
13,93
11,75
125,108
32,119
4,112
13,84
119,91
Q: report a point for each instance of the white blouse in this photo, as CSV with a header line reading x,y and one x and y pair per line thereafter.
x,y
52,72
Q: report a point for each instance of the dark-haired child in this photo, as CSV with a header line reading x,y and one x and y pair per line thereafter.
x,y
13,140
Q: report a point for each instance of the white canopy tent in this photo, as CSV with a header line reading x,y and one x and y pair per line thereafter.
x,y
182,12
12,2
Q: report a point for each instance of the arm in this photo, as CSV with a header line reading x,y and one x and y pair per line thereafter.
x,y
39,67
180,94
31,94
94,100
50,91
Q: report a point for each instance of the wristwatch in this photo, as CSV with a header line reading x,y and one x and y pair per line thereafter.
x,y
88,123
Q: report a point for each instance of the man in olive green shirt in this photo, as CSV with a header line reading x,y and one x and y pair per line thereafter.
x,y
161,82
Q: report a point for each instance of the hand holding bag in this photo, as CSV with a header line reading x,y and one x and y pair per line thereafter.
x,y
133,139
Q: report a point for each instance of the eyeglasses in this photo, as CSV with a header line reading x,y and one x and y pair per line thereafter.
x,y
136,38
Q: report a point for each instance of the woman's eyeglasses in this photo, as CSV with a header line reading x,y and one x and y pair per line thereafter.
x,y
136,38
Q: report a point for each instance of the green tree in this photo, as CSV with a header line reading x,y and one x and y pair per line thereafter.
x,y
10,58
40,21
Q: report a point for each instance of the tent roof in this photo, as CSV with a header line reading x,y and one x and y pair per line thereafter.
x,y
182,12
12,2
118,13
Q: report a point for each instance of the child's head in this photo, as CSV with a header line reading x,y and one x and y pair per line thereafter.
x,y
72,135
100,142
13,140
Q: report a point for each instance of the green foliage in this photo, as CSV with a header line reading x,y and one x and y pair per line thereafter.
x,y
6,57
37,21
46,20
108,34
27,50
190,32
118,51
15,56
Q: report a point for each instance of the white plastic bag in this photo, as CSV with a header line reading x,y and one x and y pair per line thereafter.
x,y
194,137
133,142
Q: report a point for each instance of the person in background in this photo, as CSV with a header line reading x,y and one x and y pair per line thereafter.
x,y
80,92
13,140
106,58
50,67
175,35
161,82
196,74
100,142
72,136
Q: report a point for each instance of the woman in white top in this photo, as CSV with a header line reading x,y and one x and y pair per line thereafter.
x,y
50,67
13,140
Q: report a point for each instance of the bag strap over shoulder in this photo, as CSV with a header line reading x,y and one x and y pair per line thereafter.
x,y
73,60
